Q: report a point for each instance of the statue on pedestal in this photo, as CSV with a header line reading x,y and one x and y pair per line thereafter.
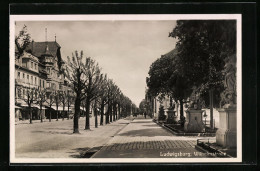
x,y
226,135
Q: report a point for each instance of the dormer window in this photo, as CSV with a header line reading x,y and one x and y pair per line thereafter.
x,y
31,64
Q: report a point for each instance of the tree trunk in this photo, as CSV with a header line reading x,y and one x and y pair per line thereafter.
x,y
68,114
41,113
114,112
119,113
102,113
63,111
87,125
57,113
50,116
181,113
30,114
107,117
211,107
111,112
96,118
76,115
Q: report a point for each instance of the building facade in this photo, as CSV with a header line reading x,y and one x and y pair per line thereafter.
x,y
39,68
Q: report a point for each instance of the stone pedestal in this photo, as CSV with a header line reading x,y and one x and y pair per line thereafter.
x,y
194,121
171,118
226,135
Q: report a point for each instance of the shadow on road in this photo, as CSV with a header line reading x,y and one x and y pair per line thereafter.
x,y
84,152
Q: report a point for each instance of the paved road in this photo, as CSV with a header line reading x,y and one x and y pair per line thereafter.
x,y
143,138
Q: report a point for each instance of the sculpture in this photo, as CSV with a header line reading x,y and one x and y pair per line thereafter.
x,y
228,97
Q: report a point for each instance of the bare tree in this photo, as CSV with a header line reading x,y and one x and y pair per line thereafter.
x,y
94,80
74,72
63,101
103,98
41,99
31,97
70,99
56,95
50,100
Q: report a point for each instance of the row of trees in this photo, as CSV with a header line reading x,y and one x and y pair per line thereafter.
x,y
197,64
90,86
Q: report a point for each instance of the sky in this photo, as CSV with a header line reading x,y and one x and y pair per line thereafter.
x,y
124,49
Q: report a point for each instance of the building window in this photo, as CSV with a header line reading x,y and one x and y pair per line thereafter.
x,y
35,81
32,79
18,75
35,66
31,64
23,75
27,78
40,83
43,83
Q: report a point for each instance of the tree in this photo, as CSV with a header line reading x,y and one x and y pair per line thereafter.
x,y
95,110
112,92
30,98
103,98
70,99
56,95
74,72
120,104
63,96
211,42
92,85
22,41
166,79
142,106
50,100
41,99
115,99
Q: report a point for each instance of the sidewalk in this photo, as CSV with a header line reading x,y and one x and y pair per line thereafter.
x,y
143,138
56,140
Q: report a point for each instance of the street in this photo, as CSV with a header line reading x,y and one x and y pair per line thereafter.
x,y
121,139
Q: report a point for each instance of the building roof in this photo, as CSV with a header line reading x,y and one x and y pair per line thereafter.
x,y
39,48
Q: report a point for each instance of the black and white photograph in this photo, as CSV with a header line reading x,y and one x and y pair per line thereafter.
x,y
125,88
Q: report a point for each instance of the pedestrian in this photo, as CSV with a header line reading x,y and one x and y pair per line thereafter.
x,y
145,115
